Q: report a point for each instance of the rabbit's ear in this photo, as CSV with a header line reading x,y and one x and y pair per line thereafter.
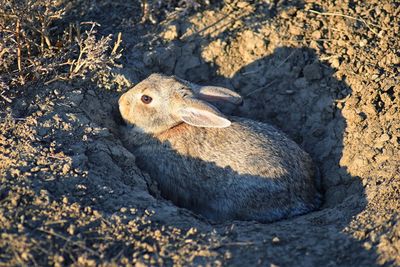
x,y
200,114
216,93
213,93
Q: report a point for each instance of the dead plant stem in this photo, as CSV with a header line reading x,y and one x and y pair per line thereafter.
x,y
346,16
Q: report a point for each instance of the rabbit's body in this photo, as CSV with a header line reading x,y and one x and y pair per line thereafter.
x,y
247,170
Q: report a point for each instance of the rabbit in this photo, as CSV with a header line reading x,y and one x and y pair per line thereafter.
x,y
221,167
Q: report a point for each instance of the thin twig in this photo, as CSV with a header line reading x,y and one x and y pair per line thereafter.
x,y
261,88
17,37
56,157
69,240
117,43
346,16
244,243
55,222
273,81
286,59
343,99
232,15
280,64
6,98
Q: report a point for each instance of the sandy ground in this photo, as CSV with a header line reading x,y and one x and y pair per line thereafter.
x,y
326,74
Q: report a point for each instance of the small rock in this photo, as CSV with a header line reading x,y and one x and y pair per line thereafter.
x,y
363,42
91,92
228,255
295,30
66,168
316,35
148,58
300,83
318,132
275,240
342,43
374,76
71,229
312,72
140,264
186,63
76,97
388,7
78,161
290,12
335,63
15,172
171,32
123,209
188,49
101,132
191,231
384,137
242,4
166,58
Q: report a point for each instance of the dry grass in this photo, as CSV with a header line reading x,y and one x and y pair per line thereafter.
x,y
36,44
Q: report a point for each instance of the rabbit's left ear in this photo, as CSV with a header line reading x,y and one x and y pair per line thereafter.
x,y
213,93
201,114
217,93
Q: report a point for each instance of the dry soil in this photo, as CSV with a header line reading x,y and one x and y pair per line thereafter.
x,y
325,73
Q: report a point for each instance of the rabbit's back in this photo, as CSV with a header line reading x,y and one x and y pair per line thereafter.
x,y
249,170
248,147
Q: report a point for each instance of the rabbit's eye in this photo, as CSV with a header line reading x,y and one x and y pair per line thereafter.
x,y
146,99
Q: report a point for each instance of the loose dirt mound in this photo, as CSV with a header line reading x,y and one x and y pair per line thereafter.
x,y
326,74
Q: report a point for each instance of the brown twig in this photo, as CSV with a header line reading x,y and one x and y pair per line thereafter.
x,y
117,43
261,88
17,37
6,98
70,241
346,16
235,15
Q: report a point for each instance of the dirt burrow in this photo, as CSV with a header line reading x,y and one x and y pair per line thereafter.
x,y
71,192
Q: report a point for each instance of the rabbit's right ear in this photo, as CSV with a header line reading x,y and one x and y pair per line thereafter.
x,y
201,114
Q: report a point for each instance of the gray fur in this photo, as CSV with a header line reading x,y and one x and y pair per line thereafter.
x,y
246,171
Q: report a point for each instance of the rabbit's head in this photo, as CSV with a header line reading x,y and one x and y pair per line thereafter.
x,y
160,102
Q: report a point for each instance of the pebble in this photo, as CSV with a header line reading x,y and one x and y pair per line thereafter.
x,y
384,137
171,32
335,63
148,58
363,42
295,30
35,169
66,168
316,35
276,240
312,72
123,209
228,255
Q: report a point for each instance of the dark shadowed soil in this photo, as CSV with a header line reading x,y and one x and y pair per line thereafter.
x,y
327,74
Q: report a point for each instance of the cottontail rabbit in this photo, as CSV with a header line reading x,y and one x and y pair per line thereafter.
x,y
221,167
